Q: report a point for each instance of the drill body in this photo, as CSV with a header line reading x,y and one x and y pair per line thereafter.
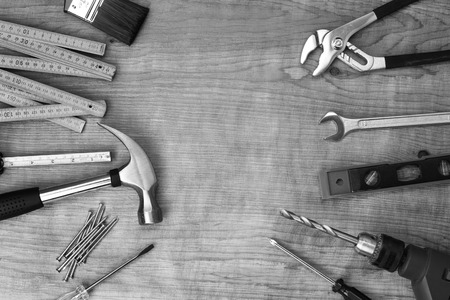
x,y
428,270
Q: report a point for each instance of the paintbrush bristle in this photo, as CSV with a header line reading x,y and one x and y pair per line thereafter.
x,y
121,19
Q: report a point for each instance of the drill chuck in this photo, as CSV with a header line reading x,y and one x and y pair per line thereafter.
x,y
388,253
383,251
366,244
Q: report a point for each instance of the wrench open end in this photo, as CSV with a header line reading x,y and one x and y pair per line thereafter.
x,y
337,120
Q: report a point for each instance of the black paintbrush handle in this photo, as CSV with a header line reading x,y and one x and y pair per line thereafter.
x,y
17,203
391,7
408,60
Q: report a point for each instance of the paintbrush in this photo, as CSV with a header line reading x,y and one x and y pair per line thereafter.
x,y
121,19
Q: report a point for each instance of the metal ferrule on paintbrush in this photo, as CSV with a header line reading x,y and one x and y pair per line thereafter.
x,y
83,9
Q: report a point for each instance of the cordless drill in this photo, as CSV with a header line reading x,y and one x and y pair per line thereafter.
x,y
428,270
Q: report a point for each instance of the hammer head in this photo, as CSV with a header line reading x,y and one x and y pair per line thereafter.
x,y
138,173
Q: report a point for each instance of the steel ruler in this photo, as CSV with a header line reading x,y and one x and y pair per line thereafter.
x,y
12,99
55,159
53,38
53,94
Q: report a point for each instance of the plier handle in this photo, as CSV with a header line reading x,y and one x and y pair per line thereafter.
x,y
334,42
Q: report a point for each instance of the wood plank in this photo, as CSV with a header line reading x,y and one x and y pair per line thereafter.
x,y
214,93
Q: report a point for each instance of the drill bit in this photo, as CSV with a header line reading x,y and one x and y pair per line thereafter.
x,y
338,286
382,250
324,228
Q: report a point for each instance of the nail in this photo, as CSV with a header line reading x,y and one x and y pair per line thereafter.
x,y
101,211
98,239
82,241
94,220
81,246
72,269
87,222
72,266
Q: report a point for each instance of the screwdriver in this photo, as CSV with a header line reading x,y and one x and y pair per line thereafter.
x,y
338,286
428,269
81,293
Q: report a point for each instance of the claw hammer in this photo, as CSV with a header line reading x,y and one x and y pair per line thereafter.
x,y
138,174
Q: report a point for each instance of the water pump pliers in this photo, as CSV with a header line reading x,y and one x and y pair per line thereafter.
x,y
334,42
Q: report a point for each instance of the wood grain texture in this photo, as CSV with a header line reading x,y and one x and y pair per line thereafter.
x,y
214,93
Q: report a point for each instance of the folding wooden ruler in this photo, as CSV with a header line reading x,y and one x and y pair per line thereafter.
x,y
53,49
17,88
39,65
53,56
53,159
38,111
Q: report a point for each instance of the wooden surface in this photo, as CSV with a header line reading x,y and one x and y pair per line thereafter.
x,y
215,94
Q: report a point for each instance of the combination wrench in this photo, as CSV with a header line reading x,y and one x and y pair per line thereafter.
x,y
346,125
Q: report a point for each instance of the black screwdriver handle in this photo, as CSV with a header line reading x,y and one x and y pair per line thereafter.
x,y
17,203
408,60
391,7
348,292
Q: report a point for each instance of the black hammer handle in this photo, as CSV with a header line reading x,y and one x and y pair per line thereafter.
x,y
17,203
20,202
408,60
391,7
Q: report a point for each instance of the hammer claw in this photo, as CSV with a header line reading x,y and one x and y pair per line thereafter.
x,y
138,173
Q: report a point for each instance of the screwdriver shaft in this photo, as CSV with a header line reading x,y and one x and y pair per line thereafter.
x,y
324,228
311,268
147,249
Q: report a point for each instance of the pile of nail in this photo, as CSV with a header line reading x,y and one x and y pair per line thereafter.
x,y
93,231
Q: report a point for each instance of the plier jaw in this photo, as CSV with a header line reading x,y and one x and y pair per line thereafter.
x,y
321,39
334,42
